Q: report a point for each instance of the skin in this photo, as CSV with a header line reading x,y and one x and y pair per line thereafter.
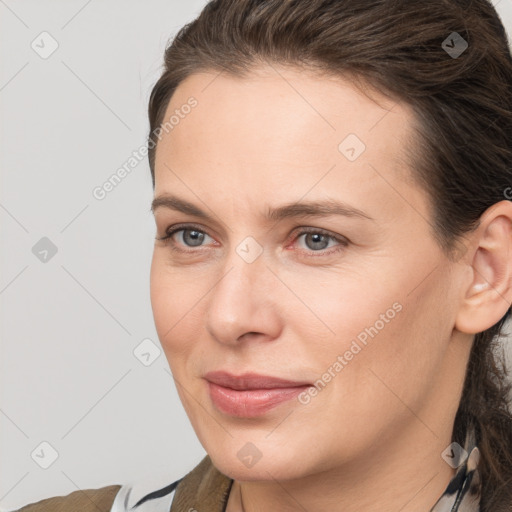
x,y
372,438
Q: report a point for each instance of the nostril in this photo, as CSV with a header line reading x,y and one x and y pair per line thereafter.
x,y
248,334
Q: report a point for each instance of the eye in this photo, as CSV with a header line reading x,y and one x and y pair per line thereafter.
x,y
189,235
316,240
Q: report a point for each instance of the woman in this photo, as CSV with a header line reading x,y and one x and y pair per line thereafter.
x,y
332,271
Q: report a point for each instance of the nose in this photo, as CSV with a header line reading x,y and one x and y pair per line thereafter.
x,y
243,303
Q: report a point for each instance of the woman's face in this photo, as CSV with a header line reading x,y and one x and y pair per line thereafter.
x,y
363,303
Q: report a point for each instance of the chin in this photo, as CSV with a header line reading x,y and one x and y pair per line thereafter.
x,y
267,467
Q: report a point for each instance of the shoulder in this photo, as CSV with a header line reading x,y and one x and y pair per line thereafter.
x,y
87,500
202,488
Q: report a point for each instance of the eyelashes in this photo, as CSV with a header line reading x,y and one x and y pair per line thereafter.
x,y
315,233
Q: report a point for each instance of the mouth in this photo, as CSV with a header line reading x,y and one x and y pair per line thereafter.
x,y
251,394
250,381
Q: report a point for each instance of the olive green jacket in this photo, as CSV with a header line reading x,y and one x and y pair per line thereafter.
x,y
204,488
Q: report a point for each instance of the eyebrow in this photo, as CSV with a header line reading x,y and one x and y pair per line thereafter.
x,y
291,210
322,208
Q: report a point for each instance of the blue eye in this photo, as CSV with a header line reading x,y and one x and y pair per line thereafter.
x,y
318,239
193,237
196,237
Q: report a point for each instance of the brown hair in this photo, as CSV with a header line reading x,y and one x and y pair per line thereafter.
x,y
462,151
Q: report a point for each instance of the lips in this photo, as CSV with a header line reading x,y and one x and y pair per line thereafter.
x,y
250,394
249,381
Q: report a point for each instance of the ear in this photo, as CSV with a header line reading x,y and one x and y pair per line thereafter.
x,y
487,294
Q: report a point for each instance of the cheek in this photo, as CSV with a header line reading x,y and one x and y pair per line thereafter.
x,y
168,299
360,323
393,356
161,297
341,306
176,301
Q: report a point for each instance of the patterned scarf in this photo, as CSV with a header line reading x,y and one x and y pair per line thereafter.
x,y
464,491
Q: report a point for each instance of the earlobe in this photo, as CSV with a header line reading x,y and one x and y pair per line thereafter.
x,y
488,295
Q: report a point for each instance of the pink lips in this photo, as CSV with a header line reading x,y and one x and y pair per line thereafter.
x,y
250,394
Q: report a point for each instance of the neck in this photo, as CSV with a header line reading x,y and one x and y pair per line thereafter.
x,y
402,472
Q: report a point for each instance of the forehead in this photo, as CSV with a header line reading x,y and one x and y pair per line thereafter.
x,y
289,112
282,129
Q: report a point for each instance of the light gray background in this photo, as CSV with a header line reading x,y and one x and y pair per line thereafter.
x,y
69,325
